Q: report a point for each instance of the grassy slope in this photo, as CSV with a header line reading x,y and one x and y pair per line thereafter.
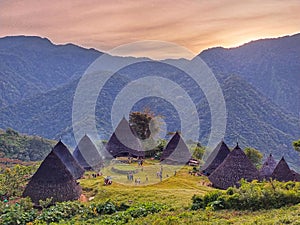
x,y
176,192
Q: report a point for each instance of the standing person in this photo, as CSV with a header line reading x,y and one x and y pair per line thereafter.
x,y
157,174
131,176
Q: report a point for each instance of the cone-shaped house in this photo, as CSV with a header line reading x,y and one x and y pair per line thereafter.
x,y
66,157
282,172
87,155
235,167
176,151
123,142
52,180
267,168
296,175
215,158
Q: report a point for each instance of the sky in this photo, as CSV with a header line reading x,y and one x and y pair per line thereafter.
x,y
192,24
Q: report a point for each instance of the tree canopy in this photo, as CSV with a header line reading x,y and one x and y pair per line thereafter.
x,y
144,124
296,145
198,151
254,155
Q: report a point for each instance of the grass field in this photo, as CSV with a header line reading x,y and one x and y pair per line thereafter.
x,y
176,192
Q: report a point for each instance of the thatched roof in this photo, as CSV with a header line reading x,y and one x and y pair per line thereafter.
x,y
66,157
235,167
176,151
123,142
282,172
215,158
52,179
87,155
267,168
296,175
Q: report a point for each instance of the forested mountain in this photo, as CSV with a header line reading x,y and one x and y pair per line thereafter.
x,y
259,80
33,65
270,65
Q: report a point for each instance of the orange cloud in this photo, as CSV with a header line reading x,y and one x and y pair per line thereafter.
x,y
196,25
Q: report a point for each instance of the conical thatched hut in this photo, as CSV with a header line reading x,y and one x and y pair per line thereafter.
x,y
176,151
123,142
296,175
52,180
66,157
215,158
87,155
235,167
282,172
267,168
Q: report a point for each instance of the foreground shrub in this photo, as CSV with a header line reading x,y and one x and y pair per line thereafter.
x,y
18,213
144,209
23,213
251,196
60,211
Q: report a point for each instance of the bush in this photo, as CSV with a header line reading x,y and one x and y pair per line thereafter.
x,y
251,196
13,180
102,213
60,211
197,202
18,213
144,209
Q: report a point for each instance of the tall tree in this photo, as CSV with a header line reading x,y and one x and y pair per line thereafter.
x,y
144,124
198,151
254,155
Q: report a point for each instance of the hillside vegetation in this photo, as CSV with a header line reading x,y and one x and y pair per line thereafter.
x,y
14,145
169,202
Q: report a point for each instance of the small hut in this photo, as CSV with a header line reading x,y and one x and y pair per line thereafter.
x,y
66,157
52,180
215,158
267,168
124,143
87,155
282,172
176,151
235,167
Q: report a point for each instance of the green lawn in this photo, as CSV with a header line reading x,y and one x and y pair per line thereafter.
x,y
175,192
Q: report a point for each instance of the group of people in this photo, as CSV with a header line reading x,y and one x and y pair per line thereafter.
x,y
130,176
107,180
136,180
94,175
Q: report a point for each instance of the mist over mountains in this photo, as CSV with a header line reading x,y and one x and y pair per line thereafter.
x,y
260,82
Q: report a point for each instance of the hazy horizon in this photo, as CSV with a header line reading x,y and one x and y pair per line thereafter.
x,y
140,53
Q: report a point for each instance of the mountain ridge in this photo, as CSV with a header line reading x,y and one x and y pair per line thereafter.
x,y
259,120
270,65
